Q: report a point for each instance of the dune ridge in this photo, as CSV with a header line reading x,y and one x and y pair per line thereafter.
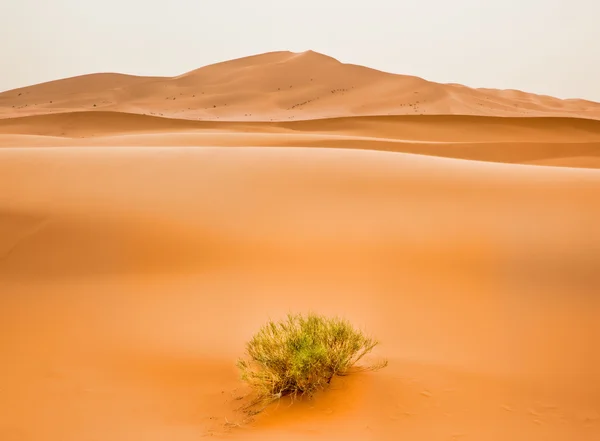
x,y
281,86
535,140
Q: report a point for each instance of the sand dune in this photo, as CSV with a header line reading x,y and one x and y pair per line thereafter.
x,y
514,140
144,239
303,100
281,86
132,277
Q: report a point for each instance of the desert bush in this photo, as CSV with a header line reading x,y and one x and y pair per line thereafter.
x,y
301,354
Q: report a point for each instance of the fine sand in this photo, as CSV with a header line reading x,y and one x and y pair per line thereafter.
x,y
140,249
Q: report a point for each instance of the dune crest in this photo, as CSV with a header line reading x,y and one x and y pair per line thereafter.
x,y
280,86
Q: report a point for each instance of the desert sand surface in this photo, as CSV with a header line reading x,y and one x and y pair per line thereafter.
x,y
143,241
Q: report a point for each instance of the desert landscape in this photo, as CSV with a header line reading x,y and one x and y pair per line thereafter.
x,y
150,225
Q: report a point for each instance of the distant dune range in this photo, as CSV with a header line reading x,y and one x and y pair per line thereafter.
x,y
281,86
148,226
307,99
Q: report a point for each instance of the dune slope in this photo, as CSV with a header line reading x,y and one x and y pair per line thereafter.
x,y
131,278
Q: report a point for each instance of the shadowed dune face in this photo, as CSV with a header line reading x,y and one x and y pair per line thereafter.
x,y
138,253
131,278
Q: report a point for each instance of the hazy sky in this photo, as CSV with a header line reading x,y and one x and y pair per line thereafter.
x,y
543,46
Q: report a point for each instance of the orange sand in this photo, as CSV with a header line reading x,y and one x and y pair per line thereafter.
x,y
137,254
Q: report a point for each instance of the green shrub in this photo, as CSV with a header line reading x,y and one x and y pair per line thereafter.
x,y
301,354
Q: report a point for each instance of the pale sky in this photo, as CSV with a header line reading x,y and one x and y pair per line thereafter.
x,y
543,46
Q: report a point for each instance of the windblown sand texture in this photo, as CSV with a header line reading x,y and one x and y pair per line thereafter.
x,y
148,226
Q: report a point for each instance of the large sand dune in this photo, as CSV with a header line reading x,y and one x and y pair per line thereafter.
x,y
137,254
281,86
